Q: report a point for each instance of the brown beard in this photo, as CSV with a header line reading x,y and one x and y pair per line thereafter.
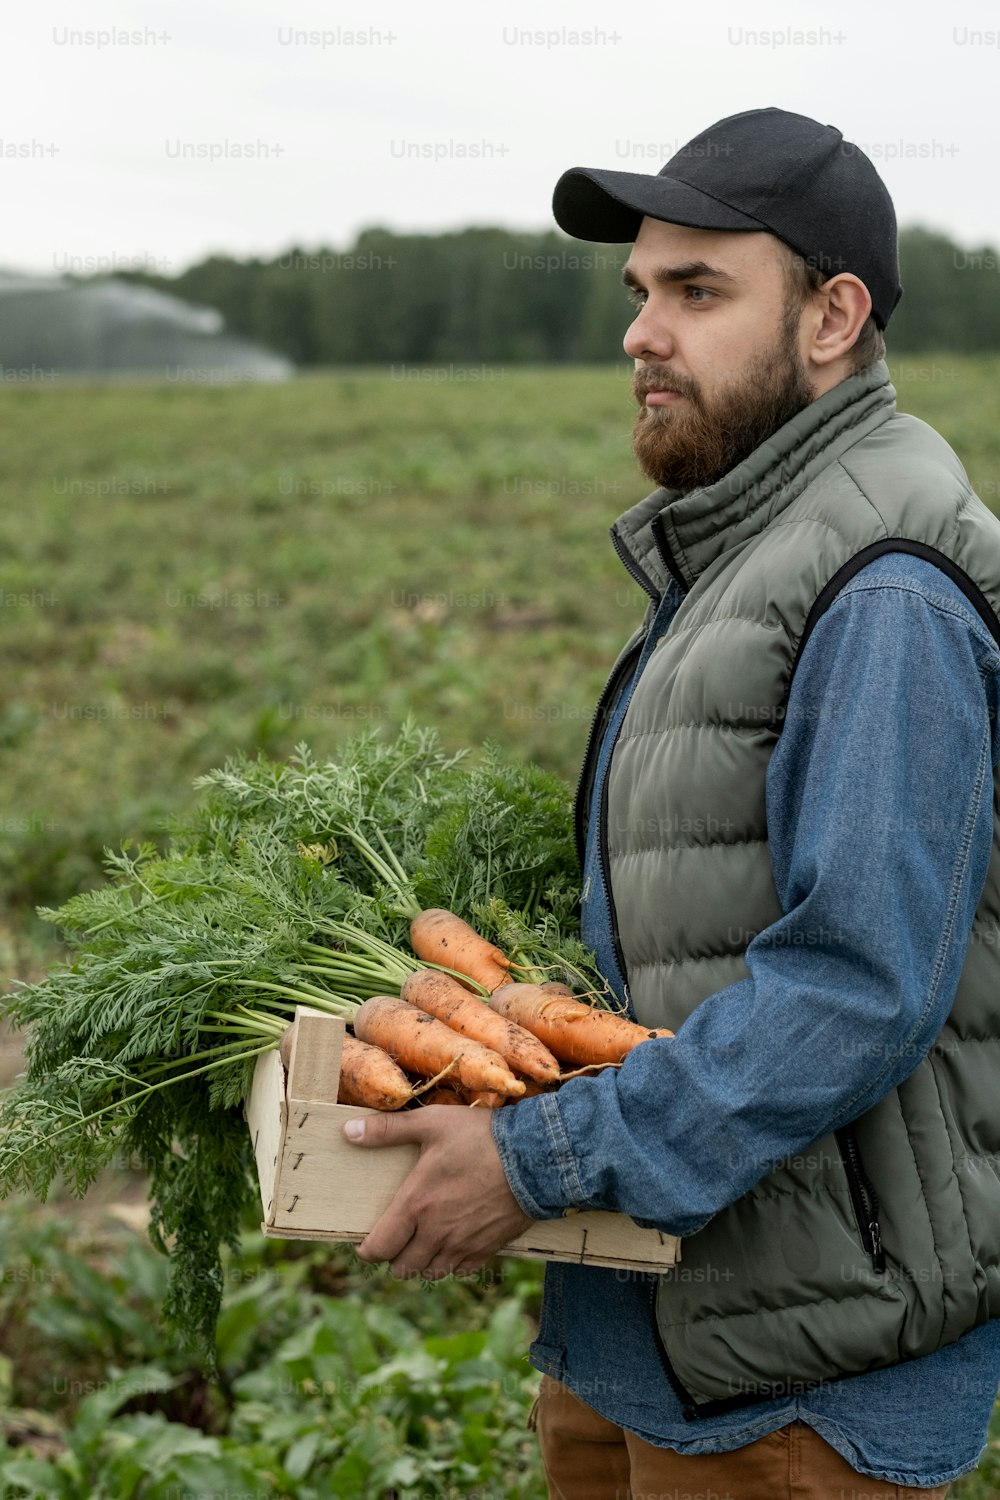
x,y
690,446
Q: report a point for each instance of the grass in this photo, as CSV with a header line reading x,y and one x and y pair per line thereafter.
x,y
191,570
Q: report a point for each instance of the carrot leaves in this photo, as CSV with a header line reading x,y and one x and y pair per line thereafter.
x,y
285,883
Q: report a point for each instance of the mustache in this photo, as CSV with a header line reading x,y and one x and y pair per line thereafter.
x,y
651,379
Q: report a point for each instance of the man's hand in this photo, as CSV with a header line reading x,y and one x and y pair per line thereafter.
x,y
454,1209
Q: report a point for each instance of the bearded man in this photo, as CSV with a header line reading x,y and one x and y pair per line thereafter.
x,y
791,859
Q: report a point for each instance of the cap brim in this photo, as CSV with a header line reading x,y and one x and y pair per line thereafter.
x,y
591,204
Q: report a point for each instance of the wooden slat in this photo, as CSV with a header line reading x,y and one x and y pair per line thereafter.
x,y
266,1115
317,1046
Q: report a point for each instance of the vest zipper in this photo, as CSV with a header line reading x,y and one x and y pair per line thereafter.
x,y
864,1198
689,1409
641,577
600,719
597,725
605,853
669,561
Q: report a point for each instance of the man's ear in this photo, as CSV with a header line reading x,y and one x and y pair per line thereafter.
x,y
843,304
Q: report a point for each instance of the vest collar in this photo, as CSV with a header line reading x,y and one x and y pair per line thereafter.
x,y
702,524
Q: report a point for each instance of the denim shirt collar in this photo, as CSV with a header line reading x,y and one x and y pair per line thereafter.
x,y
700,525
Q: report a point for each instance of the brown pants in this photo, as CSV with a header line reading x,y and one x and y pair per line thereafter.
x,y
588,1458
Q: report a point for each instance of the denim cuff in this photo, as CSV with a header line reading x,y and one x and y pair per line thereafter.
x,y
535,1154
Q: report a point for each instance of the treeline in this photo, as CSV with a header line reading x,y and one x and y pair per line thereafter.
x,y
492,294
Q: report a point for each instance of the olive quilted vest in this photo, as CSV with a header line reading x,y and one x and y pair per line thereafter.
x,y
882,1243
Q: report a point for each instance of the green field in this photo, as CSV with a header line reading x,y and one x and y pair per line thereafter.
x,y
195,570
188,571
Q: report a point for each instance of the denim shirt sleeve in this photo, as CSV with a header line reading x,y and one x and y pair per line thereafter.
x,y
880,823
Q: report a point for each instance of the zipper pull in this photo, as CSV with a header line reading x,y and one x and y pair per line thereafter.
x,y
877,1253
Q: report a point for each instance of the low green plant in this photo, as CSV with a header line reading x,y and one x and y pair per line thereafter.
x,y
317,1395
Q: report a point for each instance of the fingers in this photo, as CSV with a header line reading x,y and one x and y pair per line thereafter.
x,y
418,1258
398,1225
409,1250
454,1209
428,1258
391,1235
415,1248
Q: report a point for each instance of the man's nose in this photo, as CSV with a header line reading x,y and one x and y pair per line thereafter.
x,y
648,338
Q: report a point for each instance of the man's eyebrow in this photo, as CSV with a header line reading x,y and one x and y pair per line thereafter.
x,y
692,270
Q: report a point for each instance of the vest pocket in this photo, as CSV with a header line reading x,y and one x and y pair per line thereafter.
x,y
863,1197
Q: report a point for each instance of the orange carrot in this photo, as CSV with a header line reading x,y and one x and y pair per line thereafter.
x,y
454,1093
422,1044
532,1089
444,997
369,1076
439,937
575,1032
485,1098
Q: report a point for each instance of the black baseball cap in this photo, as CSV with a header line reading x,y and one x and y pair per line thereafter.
x,y
765,169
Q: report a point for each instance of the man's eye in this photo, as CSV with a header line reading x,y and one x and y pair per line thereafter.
x,y
637,298
699,293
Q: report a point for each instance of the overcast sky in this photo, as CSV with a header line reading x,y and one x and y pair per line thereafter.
x,y
249,126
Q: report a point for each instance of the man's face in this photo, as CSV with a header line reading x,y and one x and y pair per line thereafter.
x,y
718,367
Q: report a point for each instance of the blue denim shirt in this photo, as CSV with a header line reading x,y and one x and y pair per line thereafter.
x,y
892,711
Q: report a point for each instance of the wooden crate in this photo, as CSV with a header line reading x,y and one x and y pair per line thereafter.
x,y
315,1185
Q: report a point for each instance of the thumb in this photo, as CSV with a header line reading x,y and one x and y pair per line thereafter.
x,y
385,1129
